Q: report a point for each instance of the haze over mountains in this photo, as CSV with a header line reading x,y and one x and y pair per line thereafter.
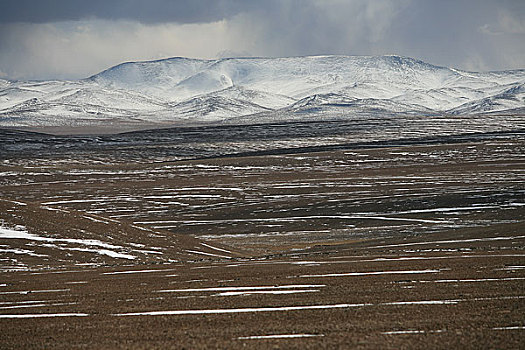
x,y
179,91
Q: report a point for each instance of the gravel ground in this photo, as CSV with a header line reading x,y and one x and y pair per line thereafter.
x,y
409,246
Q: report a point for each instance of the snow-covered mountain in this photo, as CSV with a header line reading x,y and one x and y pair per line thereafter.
x,y
181,90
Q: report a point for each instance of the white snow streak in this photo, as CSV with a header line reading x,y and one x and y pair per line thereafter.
x,y
37,291
373,273
241,288
509,328
244,310
310,307
44,315
215,248
273,292
280,336
135,271
413,332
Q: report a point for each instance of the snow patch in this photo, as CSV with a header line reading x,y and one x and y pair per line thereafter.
x,y
280,336
6,233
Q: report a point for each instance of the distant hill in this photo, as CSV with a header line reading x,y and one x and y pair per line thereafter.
x,y
245,90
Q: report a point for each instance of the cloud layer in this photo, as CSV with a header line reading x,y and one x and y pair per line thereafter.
x,y
73,39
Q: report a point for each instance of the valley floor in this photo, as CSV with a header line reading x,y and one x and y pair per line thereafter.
x,y
414,245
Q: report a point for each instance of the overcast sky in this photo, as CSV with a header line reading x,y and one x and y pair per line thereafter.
x,y
71,39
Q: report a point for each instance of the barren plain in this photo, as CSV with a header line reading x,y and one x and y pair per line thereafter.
x,y
291,236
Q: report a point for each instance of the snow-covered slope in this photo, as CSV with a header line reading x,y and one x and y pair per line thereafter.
x,y
189,90
510,98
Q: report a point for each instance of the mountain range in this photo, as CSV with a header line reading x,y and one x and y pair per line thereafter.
x,y
180,91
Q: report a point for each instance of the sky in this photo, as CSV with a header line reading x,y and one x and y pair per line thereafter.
x,y
74,39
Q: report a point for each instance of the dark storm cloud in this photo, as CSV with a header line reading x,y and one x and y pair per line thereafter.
x,y
145,11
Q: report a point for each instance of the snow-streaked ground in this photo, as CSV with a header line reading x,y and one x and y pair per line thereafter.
x,y
86,244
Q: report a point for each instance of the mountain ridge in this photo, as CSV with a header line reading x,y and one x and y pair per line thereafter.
x,y
187,90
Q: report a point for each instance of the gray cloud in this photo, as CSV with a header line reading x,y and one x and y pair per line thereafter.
x,y
78,49
74,39
445,32
150,11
